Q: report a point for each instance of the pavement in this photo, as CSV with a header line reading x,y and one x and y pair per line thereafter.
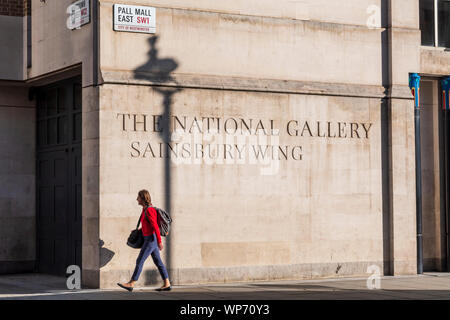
x,y
428,286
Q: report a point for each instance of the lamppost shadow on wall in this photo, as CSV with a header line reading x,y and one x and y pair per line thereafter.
x,y
158,71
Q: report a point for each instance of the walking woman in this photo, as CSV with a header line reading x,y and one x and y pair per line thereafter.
x,y
152,243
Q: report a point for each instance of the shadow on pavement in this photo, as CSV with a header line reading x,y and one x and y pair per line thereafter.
x,y
202,294
47,287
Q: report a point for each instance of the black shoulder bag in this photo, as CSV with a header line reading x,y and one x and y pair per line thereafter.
x,y
136,238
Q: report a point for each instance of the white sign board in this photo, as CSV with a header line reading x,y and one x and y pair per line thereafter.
x,y
79,14
134,18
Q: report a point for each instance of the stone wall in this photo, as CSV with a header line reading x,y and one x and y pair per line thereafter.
x,y
321,216
17,178
13,28
54,45
314,69
317,212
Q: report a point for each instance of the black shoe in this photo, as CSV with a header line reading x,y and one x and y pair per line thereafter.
x,y
164,289
126,288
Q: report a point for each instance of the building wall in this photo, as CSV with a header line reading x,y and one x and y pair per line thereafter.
x,y
351,12
17,142
323,216
12,24
17,178
404,58
434,61
90,188
58,53
56,47
314,217
250,46
335,61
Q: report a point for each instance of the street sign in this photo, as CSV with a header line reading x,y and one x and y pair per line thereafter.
x,y
134,18
79,14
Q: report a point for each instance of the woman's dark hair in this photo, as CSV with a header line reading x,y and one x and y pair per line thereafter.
x,y
145,197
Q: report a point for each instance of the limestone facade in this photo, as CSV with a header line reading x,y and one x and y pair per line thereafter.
x,y
278,134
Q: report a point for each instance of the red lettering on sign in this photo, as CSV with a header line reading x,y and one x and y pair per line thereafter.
x,y
143,20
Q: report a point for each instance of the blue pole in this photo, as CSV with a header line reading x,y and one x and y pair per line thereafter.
x,y
445,83
414,85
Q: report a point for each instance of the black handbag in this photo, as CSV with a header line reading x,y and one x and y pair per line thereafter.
x,y
136,238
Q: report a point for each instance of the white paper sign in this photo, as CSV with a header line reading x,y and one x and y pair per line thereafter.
x,y
79,14
134,18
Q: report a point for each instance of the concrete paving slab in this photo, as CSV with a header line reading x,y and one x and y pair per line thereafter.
x,y
428,286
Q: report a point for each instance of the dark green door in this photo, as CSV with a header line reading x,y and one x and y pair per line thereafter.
x,y
59,176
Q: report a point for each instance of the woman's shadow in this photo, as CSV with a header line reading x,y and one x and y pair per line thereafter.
x,y
105,254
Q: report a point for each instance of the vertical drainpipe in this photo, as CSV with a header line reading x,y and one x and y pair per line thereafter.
x,y
445,84
95,68
386,37
414,85
95,42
